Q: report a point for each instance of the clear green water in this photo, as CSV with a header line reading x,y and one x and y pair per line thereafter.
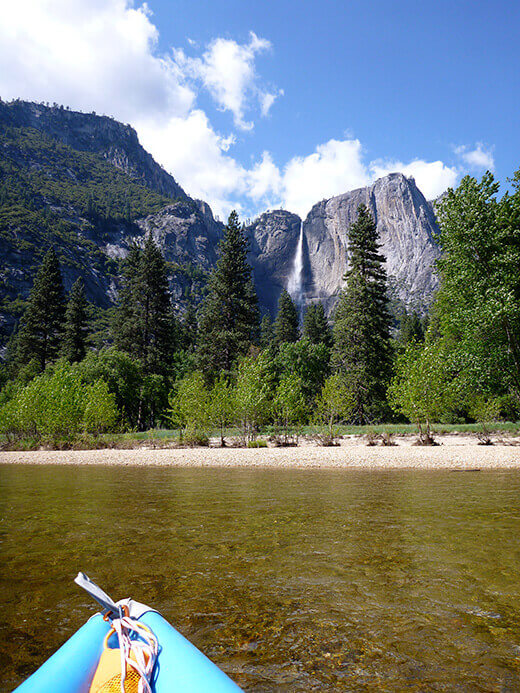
x,y
289,580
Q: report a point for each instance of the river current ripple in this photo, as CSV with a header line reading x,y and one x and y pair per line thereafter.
x,y
290,580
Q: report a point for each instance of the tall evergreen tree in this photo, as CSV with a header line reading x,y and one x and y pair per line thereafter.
x,y
362,350
41,327
156,320
190,327
411,328
144,325
266,332
315,325
229,314
286,324
76,327
125,328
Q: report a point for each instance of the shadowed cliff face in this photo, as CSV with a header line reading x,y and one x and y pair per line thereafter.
x,y
186,232
405,223
188,236
273,238
73,156
90,243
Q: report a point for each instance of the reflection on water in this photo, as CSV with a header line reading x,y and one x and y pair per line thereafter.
x,y
289,580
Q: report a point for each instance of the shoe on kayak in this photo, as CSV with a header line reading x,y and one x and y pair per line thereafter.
x,y
129,647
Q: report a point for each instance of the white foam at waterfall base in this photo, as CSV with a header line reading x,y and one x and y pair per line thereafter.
x,y
294,284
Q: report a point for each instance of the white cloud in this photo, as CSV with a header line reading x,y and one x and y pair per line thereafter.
x,y
477,158
89,54
264,181
190,145
267,99
227,70
102,55
432,177
333,168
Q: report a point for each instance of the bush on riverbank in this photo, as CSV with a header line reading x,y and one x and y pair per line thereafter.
x,y
58,406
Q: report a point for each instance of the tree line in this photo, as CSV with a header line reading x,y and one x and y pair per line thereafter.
x,y
222,363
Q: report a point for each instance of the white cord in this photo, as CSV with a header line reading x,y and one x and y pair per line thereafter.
x,y
143,649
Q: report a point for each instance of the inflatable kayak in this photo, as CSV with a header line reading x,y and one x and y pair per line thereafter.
x,y
128,642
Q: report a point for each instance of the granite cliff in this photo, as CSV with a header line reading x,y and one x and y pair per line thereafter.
x,y
406,225
84,184
273,238
89,132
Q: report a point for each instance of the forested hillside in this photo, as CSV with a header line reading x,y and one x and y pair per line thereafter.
x,y
86,208
147,304
221,363
54,196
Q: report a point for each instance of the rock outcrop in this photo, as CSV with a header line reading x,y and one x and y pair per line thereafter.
x,y
273,238
186,232
89,132
406,225
89,241
83,184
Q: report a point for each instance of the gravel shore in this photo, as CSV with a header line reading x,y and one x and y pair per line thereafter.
x,y
454,452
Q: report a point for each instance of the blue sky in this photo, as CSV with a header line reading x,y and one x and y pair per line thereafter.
x,y
261,104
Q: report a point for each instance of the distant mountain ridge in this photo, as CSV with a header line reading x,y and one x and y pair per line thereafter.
x,y
89,132
83,183
89,192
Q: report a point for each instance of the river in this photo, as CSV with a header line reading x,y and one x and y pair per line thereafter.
x,y
290,580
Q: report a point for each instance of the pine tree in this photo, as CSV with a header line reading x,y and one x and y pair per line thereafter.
x,y
315,325
286,324
362,350
189,328
411,328
144,325
156,320
41,326
266,332
125,329
229,314
76,328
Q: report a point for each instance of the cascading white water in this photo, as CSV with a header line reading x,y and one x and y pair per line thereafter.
x,y
294,285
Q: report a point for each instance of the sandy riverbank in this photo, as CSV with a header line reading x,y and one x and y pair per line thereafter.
x,y
454,452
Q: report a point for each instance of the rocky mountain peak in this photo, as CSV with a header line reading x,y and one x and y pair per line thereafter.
x,y
51,208
89,132
273,238
406,225
407,229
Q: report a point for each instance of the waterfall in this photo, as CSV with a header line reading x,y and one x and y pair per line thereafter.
x,y
294,285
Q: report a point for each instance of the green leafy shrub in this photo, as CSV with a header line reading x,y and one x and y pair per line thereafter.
x,y
421,389
139,397
58,405
334,405
288,405
221,405
253,394
190,407
195,439
259,443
